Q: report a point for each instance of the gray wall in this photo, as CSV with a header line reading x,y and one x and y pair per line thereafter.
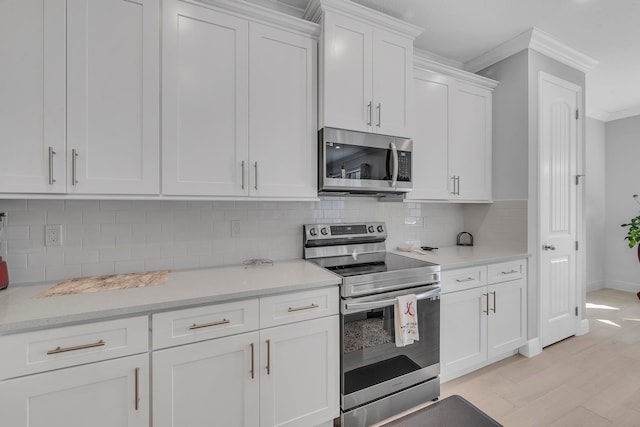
x,y
622,269
510,140
595,203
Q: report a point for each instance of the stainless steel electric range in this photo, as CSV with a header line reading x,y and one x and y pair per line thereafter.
x,y
379,379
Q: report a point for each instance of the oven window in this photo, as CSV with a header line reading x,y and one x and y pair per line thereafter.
x,y
369,353
357,162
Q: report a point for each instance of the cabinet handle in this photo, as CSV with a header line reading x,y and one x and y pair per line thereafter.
x,y
206,325
494,301
468,279
308,307
76,347
268,357
256,166
370,114
453,178
379,107
136,402
243,174
510,272
487,311
74,168
458,190
51,154
252,362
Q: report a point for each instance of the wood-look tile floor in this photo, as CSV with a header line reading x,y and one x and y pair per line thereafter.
x,y
590,380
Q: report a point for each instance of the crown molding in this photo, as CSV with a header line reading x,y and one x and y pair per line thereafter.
x,y
539,41
423,60
623,114
597,114
260,13
316,8
430,56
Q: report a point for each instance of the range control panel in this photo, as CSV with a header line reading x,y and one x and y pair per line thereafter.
x,y
377,230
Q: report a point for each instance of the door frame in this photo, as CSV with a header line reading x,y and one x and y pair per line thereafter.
x,y
581,326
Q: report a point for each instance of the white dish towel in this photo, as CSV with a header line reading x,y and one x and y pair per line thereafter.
x,y
406,320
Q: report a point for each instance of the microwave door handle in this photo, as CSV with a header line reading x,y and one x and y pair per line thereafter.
x,y
394,174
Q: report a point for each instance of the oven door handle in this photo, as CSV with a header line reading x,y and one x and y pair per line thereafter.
x,y
435,293
394,174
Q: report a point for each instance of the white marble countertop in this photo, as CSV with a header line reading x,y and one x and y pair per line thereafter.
x,y
465,256
20,311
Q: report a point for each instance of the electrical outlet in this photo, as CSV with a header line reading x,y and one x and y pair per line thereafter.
x,y
53,235
235,228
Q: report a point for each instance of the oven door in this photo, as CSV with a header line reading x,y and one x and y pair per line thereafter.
x,y
372,365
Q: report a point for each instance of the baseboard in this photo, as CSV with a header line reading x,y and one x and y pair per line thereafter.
x,y
584,327
594,286
623,286
531,348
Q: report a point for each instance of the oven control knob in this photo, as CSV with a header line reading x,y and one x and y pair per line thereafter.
x,y
324,231
380,229
371,229
313,232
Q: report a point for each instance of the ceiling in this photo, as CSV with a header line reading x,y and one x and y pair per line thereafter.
x,y
462,30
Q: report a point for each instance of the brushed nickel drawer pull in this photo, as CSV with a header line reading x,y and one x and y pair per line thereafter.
x,y
487,311
308,307
137,386
510,272
206,325
252,360
77,347
51,154
468,279
494,301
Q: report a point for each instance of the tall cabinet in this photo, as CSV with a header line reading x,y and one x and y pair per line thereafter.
x,y
366,62
451,134
239,101
79,96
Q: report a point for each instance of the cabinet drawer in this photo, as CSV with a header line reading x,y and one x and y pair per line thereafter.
x,y
203,323
39,351
464,278
297,306
506,271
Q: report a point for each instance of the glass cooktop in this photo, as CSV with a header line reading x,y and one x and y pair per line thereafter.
x,y
355,265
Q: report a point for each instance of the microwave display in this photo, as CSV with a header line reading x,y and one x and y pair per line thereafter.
x,y
345,161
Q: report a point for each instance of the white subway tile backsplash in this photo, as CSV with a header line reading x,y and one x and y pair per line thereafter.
x,y
118,236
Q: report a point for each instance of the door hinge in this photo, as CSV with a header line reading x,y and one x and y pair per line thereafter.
x,y
576,310
578,179
577,114
576,245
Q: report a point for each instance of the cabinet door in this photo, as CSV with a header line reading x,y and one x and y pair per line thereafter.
x,y
463,330
299,380
114,393
507,317
282,111
430,124
208,383
113,96
392,79
347,87
205,98
32,96
470,141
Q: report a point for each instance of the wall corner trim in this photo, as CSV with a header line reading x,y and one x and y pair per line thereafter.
x,y
531,348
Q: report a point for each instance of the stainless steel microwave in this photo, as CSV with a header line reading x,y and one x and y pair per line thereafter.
x,y
360,163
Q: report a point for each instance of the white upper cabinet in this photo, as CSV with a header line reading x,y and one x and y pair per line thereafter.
x,y
113,96
451,119
79,96
470,142
205,101
32,96
365,69
239,115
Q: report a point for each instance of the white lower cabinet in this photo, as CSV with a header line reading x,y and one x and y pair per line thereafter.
x,y
481,321
113,393
207,383
286,375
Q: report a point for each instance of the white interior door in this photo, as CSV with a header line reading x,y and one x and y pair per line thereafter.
x,y
558,207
